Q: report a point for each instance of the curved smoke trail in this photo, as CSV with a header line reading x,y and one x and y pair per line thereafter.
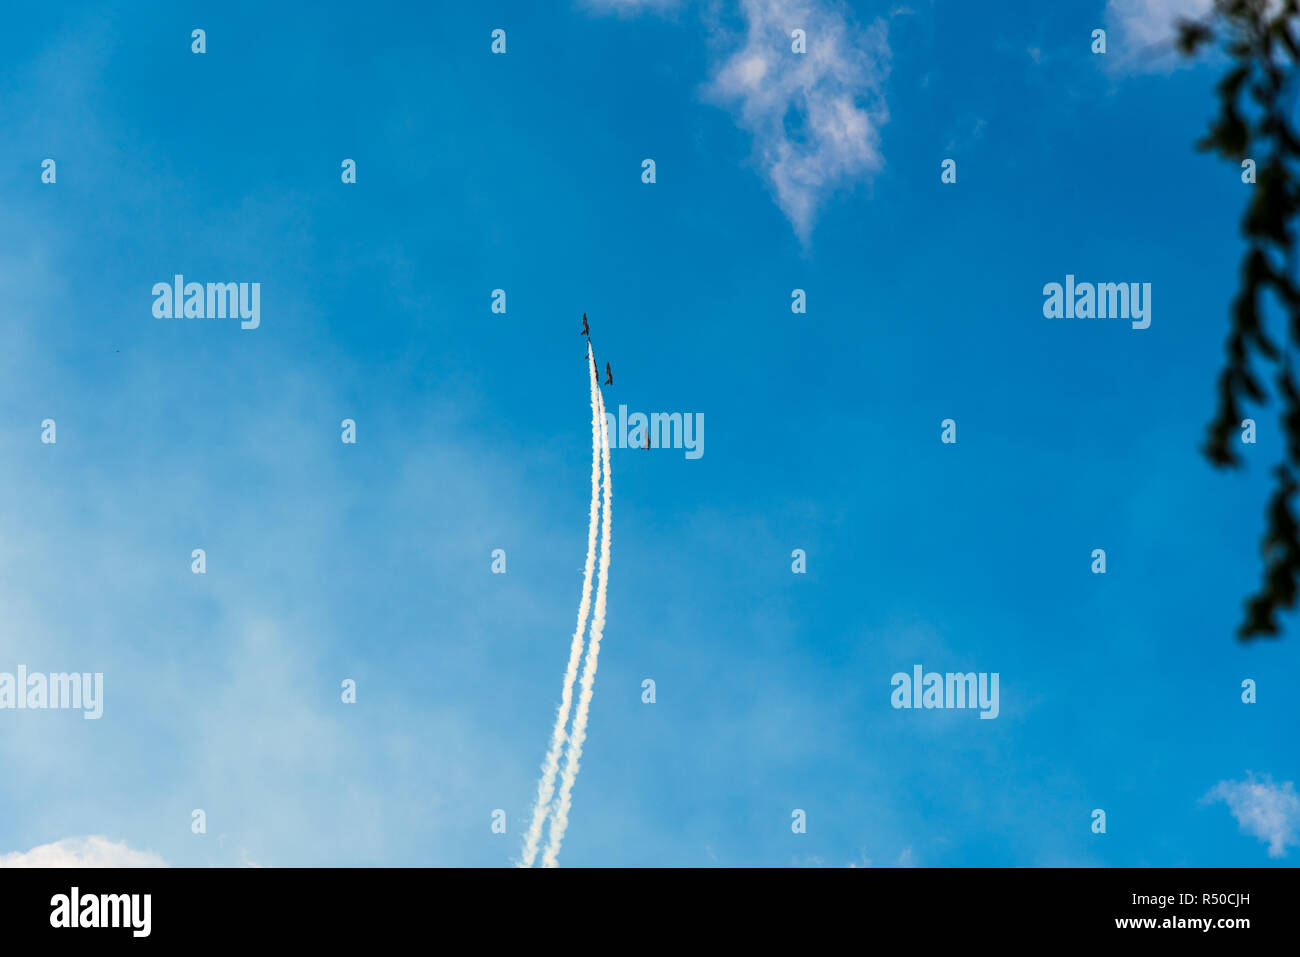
x,y
560,821
551,765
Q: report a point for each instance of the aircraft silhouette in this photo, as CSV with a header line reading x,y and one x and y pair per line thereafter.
x,y
609,376
585,331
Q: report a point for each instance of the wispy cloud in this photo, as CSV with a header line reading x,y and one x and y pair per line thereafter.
x,y
815,117
1140,33
91,851
1268,811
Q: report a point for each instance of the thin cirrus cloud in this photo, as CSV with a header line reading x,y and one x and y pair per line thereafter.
x,y
1265,810
814,117
93,851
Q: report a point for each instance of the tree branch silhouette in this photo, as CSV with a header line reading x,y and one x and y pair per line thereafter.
x,y
1253,122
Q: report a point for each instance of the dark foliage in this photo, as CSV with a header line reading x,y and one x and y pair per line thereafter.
x,y
1253,122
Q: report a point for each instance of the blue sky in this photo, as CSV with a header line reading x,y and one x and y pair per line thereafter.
x,y
372,561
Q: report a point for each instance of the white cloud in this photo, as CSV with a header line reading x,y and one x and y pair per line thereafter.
x,y
1263,809
1140,33
91,851
815,117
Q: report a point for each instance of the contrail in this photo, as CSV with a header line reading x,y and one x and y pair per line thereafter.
x,y
551,765
560,820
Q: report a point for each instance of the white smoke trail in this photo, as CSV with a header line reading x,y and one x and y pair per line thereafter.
x,y
560,820
551,765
